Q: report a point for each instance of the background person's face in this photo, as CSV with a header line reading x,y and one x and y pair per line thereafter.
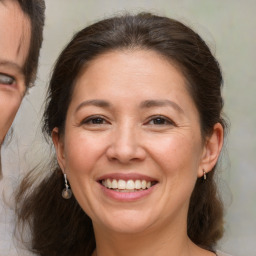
x,y
14,47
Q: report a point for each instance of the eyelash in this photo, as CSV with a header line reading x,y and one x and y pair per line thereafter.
x,y
6,79
89,120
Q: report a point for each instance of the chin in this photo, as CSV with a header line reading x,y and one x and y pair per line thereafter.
x,y
127,222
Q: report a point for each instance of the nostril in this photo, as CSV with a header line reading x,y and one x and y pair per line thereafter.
x,y
125,153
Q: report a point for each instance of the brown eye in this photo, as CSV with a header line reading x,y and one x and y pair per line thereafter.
x,y
6,79
94,120
97,120
160,120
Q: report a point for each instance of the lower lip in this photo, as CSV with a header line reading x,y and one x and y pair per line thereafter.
x,y
127,196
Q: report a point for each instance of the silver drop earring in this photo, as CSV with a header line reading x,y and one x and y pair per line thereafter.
x,y
66,192
205,177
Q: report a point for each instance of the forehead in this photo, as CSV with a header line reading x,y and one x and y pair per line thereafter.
x,y
15,33
125,69
132,76
129,82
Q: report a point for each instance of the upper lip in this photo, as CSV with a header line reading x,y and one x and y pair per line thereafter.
x,y
126,176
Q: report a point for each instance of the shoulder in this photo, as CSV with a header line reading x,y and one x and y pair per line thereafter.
x,y
219,253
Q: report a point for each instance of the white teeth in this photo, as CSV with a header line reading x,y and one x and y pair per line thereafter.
x,y
143,184
126,186
109,183
114,184
121,184
137,184
130,184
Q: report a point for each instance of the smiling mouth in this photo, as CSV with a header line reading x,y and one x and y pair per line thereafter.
x,y
127,186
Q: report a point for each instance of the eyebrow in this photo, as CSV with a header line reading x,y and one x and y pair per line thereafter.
x,y
161,103
144,104
97,103
12,65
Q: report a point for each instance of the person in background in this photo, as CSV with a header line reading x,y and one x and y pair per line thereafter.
x,y
134,109
21,29
21,35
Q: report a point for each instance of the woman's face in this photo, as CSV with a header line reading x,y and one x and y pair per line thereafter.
x,y
132,147
14,46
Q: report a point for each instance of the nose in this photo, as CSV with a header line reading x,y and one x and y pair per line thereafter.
x,y
126,145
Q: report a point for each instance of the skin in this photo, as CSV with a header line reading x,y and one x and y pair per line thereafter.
x,y
125,136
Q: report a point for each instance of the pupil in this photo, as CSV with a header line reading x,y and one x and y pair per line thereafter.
x,y
159,121
97,121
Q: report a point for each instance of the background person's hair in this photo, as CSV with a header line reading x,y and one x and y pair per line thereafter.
x,y
35,10
59,226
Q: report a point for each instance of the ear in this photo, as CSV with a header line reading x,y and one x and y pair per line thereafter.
x,y
59,148
212,148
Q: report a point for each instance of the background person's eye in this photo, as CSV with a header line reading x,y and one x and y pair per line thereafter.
x,y
6,79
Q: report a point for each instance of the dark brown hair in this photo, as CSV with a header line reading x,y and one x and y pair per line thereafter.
x,y
61,227
35,10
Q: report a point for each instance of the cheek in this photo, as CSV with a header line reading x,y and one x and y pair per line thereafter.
x,y
178,158
8,108
83,152
178,155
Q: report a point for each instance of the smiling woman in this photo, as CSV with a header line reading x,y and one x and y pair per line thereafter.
x,y
135,113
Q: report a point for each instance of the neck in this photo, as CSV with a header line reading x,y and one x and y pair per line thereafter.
x,y
152,242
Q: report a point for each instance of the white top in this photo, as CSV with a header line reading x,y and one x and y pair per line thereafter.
x,y
7,247
219,253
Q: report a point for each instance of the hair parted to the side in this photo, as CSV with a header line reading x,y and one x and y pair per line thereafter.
x,y
59,226
35,10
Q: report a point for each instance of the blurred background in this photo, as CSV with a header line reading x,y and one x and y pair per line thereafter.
x,y
228,27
